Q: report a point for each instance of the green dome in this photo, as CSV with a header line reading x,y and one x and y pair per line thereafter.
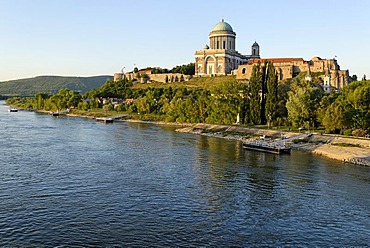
x,y
222,26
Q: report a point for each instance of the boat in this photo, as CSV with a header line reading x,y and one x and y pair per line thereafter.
x,y
105,119
265,146
54,113
13,110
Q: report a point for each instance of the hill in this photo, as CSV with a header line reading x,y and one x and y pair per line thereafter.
x,y
50,84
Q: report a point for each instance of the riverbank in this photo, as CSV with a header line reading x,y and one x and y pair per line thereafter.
x,y
345,149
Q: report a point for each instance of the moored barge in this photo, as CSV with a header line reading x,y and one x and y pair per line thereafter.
x,y
264,146
105,119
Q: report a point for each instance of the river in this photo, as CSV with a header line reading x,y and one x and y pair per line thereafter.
x,y
69,181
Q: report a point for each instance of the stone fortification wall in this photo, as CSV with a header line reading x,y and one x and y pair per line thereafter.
x,y
169,77
162,78
290,67
117,77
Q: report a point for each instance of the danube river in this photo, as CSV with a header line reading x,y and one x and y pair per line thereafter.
x,y
67,181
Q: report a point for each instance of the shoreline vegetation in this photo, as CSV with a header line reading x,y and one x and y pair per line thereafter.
x,y
343,148
263,102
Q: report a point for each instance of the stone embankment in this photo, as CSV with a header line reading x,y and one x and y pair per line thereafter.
x,y
346,149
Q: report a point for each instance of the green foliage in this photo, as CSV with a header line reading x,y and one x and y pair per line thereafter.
x,y
188,69
23,102
159,70
108,107
255,88
146,104
226,102
83,106
218,100
302,105
350,110
346,145
64,99
112,89
333,119
271,94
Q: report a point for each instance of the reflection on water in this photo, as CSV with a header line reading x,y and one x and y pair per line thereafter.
x,y
75,182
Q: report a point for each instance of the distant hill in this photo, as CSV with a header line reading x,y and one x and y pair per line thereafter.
x,y
50,85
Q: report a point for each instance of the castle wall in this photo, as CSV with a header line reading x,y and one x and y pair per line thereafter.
x,y
290,67
162,78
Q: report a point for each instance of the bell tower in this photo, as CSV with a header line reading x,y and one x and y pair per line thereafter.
x,y
255,51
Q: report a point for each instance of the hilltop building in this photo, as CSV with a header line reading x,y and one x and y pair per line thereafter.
x,y
333,78
221,58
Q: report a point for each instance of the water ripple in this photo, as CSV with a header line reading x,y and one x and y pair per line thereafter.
x,y
71,182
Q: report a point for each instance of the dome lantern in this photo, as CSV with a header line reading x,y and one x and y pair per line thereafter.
x,y
222,26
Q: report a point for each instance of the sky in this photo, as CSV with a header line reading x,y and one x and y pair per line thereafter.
x,y
100,37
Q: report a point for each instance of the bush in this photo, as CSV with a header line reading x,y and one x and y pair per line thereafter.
x,y
347,132
108,107
132,108
121,107
346,145
359,132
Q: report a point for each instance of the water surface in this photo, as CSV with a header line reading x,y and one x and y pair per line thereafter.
x,y
75,182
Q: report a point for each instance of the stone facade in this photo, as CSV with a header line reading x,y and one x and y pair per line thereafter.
x,y
333,77
220,56
162,78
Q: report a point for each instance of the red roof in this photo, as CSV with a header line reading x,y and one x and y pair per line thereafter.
x,y
274,60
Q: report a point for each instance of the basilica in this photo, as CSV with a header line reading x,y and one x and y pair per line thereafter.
x,y
220,57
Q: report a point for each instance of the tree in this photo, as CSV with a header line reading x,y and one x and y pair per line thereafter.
x,y
226,102
255,88
302,105
74,99
108,107
263,92
39,100
188,69
359,100
147,103
333,119
325,103
271,97
354,77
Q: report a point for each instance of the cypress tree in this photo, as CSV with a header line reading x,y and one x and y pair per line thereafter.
x,y
263,92
255,88
272,93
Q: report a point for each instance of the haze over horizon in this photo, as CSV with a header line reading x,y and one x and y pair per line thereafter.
x,y
88,38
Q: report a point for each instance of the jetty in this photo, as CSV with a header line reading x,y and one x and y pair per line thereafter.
x,y
110,119
266,146
57,113
280,146
105,119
